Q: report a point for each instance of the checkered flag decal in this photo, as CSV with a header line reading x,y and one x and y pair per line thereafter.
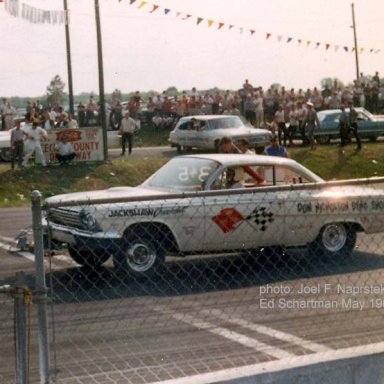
x,y
261,217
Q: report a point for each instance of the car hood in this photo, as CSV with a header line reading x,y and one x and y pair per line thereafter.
x,y
94,196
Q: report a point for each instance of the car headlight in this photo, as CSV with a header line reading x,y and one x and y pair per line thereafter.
x,y
88,220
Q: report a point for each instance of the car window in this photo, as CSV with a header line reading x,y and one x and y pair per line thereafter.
x,y
362,117
187,126
184,174
281,175
228,122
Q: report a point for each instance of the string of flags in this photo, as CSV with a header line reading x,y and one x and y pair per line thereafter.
x,y
33,14
218,25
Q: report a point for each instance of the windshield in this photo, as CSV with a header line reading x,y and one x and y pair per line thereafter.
x,y
228,122
183,173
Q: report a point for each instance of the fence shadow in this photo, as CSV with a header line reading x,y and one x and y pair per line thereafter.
x,y
202,275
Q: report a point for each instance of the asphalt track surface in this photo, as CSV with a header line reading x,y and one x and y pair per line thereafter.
x,y
202,318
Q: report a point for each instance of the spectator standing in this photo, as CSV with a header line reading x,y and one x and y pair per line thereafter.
x,y
310,122
34,135
127,130
353,124
276,149
62,121
90,111
81,114
301,111
64,151
249,109
17,145
9,113
2,107
343,126
259,110
293,123
281,127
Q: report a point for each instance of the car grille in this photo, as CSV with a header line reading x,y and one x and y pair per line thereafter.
x,y
66,217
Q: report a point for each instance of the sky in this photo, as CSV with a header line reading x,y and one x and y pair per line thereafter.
x,y
153,51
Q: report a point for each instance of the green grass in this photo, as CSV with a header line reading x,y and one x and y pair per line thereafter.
x,y
329,162
16,186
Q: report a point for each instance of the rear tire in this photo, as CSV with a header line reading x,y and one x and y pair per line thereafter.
x,y
334,240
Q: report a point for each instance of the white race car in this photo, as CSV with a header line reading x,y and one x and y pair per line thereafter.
x,y
206,131
212,203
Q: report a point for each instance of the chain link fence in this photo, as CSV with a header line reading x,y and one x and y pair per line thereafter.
x,y
159,288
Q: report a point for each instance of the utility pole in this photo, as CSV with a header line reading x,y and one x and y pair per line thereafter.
x,y
101,79
69,60
355,39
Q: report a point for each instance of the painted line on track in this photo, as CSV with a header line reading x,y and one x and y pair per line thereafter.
x,y
274,333
228,334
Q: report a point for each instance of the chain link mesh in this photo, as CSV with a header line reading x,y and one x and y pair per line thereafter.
x,y
160,289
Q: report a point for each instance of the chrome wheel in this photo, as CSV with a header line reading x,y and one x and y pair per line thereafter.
x,y
141,257
334,237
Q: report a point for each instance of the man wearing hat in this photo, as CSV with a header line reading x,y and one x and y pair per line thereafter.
x,y
310,122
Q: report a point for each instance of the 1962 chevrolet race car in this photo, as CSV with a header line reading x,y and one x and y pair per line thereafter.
x,y
210,203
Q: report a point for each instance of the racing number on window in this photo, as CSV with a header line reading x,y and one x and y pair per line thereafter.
x,y
185,174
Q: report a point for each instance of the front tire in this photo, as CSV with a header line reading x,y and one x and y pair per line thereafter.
x,y
88,258
334,239
140,256
6,154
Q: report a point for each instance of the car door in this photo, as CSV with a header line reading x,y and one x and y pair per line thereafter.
x,y
243,218
186,134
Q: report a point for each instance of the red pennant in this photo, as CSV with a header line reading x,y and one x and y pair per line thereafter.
x,y
252,31
269,35
221,25
327,46
154,8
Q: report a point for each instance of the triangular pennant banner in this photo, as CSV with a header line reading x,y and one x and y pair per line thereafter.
x,y
279,38
327,46
361,50
231,26
199,20
142,4
268,35
154,8
353,49
221,25
317,45
299,41
210,22
252,31
308,43
346,49
187,17
336,48
289,39
241,30
131,1
178,14
166,11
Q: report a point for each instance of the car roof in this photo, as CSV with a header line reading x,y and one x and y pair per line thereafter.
x,y
209,117
334,111
244,159
241,158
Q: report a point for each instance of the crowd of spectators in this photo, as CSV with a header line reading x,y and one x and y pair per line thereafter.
x,y
257,104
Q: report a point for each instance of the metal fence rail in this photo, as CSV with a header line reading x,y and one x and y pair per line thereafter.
x,y
154,289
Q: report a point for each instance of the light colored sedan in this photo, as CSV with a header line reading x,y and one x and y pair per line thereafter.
x,y
206,131
212,203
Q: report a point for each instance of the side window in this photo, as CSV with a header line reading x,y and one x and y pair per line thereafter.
x,y
185,126
285,176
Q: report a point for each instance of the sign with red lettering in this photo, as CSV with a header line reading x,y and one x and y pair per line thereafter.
x,y
86,142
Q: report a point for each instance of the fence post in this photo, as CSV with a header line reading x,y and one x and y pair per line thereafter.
x,y
21,330
40,286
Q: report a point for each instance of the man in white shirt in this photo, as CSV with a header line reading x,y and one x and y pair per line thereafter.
x,y
64,151
127,130
33,143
